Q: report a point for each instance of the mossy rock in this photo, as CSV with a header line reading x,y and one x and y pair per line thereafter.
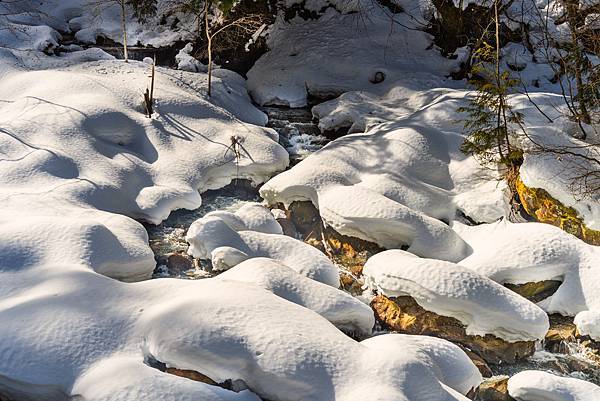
x,y
539,204
405,315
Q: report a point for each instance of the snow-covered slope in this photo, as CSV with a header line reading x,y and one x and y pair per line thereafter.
x,y
359,48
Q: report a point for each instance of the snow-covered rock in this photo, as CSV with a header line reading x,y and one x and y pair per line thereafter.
x,y
213,237
532,252
482,305
340,308
534,385
186,62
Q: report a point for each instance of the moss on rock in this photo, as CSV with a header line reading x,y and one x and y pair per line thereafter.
x,y
539,204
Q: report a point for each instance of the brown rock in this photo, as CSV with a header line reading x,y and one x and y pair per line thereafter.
x,y
535,292
562,331
192,375
179,262
478,361
350,283
405,315
494,389
539,204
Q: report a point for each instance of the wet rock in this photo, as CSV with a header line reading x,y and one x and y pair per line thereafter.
x,y
179,262
538,203
349,252
192,375
350,283
562,332
306,218
535,292
479,362
494,389
378,77
405,315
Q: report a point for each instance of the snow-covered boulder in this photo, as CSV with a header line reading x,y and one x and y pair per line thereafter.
x,y
532,252
448,360
378,187
186,62
340,308
482,305
534,385
215,237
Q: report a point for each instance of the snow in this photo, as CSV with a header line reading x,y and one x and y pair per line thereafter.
x,y
340,308
186,62
532,385
216,237
400,182
482,305
534,252
310,57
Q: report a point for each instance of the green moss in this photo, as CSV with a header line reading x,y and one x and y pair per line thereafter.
x,y
539,204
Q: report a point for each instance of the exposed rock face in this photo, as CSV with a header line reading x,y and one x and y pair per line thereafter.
x,y
562,332
403,314
192,375
494,389
539,204
348,252
178,262
535,292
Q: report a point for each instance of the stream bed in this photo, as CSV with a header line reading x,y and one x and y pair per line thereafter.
x,y
300,135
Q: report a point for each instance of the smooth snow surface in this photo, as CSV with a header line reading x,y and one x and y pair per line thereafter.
x,y
533,385
482,305
227,240
338,307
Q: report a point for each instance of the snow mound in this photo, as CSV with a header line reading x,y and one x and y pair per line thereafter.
x,y
340,308
482,305
341,52
446,359
532,252
186,62
215,237
251,216
533,385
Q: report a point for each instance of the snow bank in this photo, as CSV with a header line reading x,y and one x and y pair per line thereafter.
x,y
447,289
341,52
213,237
340,308
533,385
533,252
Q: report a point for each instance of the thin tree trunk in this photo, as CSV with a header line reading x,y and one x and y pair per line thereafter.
x,y
124,27
209,46
501,105
572,8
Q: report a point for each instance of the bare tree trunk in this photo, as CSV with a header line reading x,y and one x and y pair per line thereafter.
x,y
124,27
572,8
209,45
501,112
